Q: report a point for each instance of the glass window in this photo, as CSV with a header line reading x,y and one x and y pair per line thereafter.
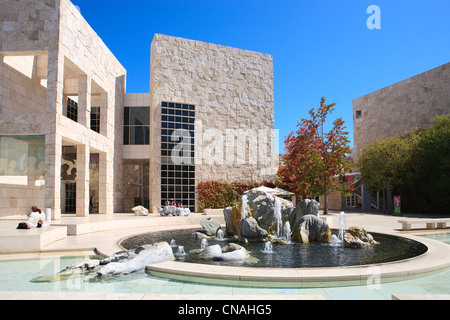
x,y
136,126
177,180
72,110
95,119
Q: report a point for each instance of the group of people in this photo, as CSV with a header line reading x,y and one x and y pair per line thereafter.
x,y
36,219
173,203
173,208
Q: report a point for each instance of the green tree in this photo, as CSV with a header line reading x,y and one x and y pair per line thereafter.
x,y
389,161
416,165
432,166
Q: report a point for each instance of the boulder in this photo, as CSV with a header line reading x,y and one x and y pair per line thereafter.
x,y
358,237
260,206
250,229
121,256
210,226
231,247
211,252
216,253
311,228
154,253
140,211
85,265
304,207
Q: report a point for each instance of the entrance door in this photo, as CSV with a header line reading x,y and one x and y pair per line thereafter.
x,y
71,198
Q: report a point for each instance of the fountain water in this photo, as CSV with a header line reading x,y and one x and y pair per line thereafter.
x,y
287,231
244,211
180,251
277,215
342,223
173,244
268,247
204,244
338,240
219,235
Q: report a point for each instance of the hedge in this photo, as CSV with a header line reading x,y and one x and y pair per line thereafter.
x,y
218,195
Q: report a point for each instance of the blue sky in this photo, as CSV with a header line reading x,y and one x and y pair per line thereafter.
x,y
319,47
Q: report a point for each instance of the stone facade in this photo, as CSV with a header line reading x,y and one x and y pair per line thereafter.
x,y
232,91
52,60
69,60
400,107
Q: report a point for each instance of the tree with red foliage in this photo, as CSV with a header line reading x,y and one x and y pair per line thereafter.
x,y
315,162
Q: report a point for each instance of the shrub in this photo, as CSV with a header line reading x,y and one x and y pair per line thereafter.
x,y
218,195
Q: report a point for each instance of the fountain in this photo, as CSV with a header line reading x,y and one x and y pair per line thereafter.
x,y
267,247
203,244
173,243
220,235
338,241
342,224
287,232
301,227
277,215
244,212
180,251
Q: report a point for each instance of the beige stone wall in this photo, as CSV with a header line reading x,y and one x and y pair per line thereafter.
x,y
231,89
400,107
19,93
89,55
78,62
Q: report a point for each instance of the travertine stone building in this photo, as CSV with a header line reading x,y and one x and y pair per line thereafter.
x,y
72,140
226,95
398,108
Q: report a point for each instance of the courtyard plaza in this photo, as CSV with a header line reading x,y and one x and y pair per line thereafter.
x,y
80,237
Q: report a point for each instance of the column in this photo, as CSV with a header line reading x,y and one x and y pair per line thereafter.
x,y
52,175
84,101
366,198
82,181
53,138
103,114
106,180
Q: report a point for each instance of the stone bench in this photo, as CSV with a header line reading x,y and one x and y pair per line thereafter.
x,y
429,223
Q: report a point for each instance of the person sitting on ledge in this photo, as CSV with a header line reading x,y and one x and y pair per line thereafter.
x,y
35,219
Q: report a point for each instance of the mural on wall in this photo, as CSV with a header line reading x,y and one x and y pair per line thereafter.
x,y
22,155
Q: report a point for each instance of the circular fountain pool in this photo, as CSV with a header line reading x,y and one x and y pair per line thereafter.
x,y
294,255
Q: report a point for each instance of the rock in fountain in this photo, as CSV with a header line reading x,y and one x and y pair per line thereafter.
x,y
210,226
215,252
358,238
149,254
249,229
311,228
210,229
265,212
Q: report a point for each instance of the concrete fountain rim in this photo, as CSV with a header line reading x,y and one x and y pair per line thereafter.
x,y
437,258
